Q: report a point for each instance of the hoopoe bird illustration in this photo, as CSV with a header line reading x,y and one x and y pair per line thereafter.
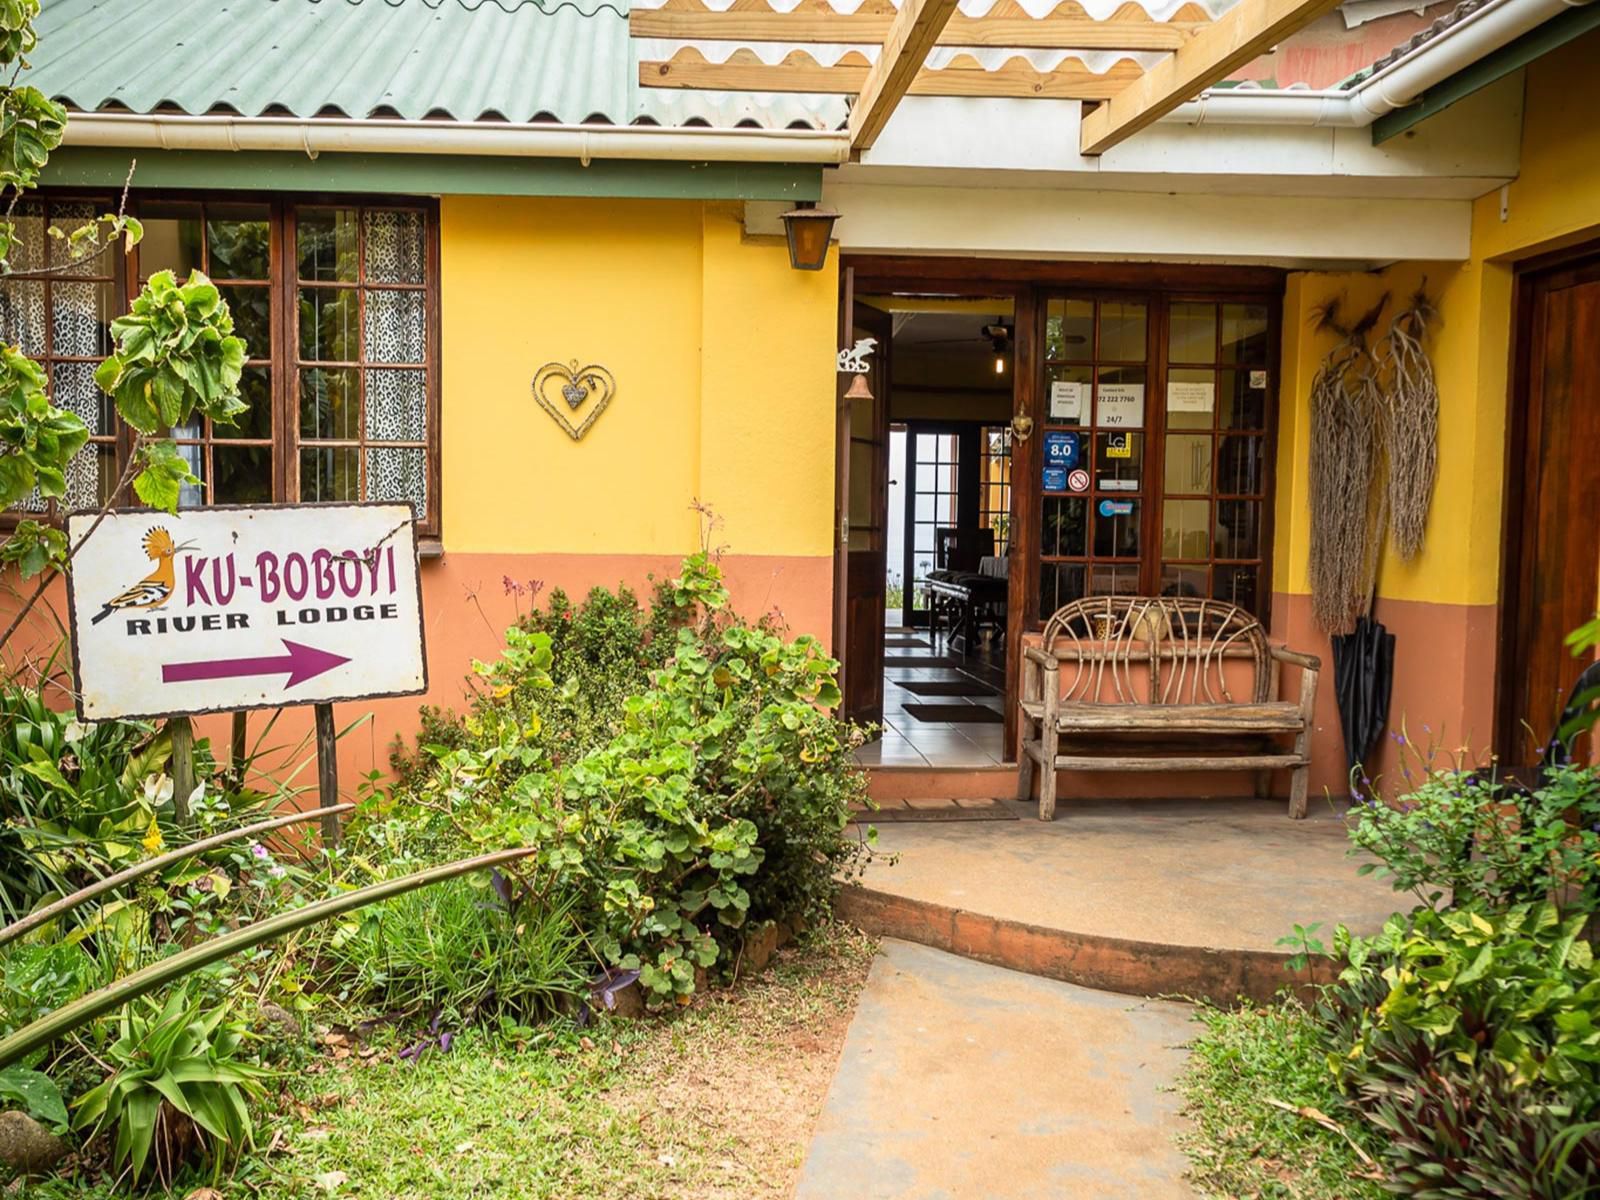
x,y
155,589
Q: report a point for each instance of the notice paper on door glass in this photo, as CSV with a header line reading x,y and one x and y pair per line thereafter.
x,y
1121,406
1066,400
1185,395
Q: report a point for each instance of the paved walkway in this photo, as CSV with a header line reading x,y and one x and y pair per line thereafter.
x,y
961,1081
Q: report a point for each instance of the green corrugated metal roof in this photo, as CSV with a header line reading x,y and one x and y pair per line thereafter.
x,y
519,60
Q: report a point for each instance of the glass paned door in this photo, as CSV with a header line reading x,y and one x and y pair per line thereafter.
x,y
933,467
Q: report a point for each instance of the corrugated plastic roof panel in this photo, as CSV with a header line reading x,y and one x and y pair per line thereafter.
x,y
569,61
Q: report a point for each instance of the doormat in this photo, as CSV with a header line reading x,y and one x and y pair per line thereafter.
x,y
913,642
890,811
959,687
920,660
955,714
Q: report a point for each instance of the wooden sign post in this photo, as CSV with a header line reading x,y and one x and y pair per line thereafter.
x,y
231,608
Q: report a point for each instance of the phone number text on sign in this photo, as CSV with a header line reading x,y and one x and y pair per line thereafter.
x,y
228,608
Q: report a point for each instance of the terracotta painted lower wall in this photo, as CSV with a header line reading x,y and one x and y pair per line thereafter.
x,y
1443,696
466,608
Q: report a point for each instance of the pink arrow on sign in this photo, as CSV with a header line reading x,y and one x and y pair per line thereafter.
x,y
302,663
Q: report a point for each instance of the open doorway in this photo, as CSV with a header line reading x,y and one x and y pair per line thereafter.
x,y
947,403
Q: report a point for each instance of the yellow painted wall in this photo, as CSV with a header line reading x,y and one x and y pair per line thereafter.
x,y
723,357
1555,201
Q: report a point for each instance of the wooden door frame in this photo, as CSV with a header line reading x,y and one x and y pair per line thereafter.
x,y
1531,278
1026,282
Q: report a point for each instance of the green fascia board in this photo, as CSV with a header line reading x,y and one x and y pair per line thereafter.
x,y
432,174
1513,56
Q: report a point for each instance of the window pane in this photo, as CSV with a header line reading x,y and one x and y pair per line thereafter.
x,y
1118,460
28,243
922,540
1122,336
243,474
1239,529
1186,529
1116,528
1239,465
1180,580
396,474
91,475
74,389
1114,581
1188,465
1242,403
1064,531
1068,405
1192,337
255,389
922,506
1120,401
172,240
81,319
326,244
397,408
68,218
1191,398
240,241
1244,334
328,325
395,327
329,473
251,308
22,319
1236,585
1069,330
394,247
1059,584
329,406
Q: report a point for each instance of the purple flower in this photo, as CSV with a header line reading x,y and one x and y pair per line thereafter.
x,y
257,849
276,871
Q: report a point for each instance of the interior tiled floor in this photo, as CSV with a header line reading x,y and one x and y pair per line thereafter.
x,y
908,742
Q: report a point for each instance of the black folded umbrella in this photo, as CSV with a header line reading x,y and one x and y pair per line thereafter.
x,y
1363,676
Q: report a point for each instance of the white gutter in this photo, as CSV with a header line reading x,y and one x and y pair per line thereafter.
x,y
1400,83
314,135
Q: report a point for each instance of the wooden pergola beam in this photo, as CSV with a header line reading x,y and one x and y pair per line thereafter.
x,y
1007,25
1243,33
916,28
743,71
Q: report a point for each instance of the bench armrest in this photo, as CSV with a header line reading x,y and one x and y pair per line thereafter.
x,y
1295,659
1035,654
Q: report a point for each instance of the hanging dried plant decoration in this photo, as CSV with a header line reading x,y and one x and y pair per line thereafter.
x,y
1346,513
1411,420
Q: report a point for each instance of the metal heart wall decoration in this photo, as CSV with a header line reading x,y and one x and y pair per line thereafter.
x,y
575,386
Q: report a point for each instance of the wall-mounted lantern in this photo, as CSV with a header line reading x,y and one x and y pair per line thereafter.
x,y
808,229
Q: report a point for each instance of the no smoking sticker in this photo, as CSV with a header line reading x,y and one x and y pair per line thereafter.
x,y
1078,481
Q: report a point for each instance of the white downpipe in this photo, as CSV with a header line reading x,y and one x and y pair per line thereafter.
x,y
1496,24
314,135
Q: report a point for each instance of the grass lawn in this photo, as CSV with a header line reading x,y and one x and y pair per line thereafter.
x,y
717,1100
1244,1146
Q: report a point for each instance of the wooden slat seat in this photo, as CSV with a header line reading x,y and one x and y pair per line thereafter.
x,y
1149,684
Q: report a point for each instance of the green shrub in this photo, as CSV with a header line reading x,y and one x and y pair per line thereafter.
x,y
1468,840
1520,989
680,771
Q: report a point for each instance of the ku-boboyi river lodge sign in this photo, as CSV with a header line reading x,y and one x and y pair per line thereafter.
x,y
230,608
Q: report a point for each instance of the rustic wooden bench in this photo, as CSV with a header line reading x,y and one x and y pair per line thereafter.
x,y
1133,683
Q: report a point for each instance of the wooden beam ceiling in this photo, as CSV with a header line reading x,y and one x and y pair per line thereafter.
x,y
917,26
1243,33
1007,24
963,76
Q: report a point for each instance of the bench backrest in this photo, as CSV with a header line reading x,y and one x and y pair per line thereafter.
x,y
1159,650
